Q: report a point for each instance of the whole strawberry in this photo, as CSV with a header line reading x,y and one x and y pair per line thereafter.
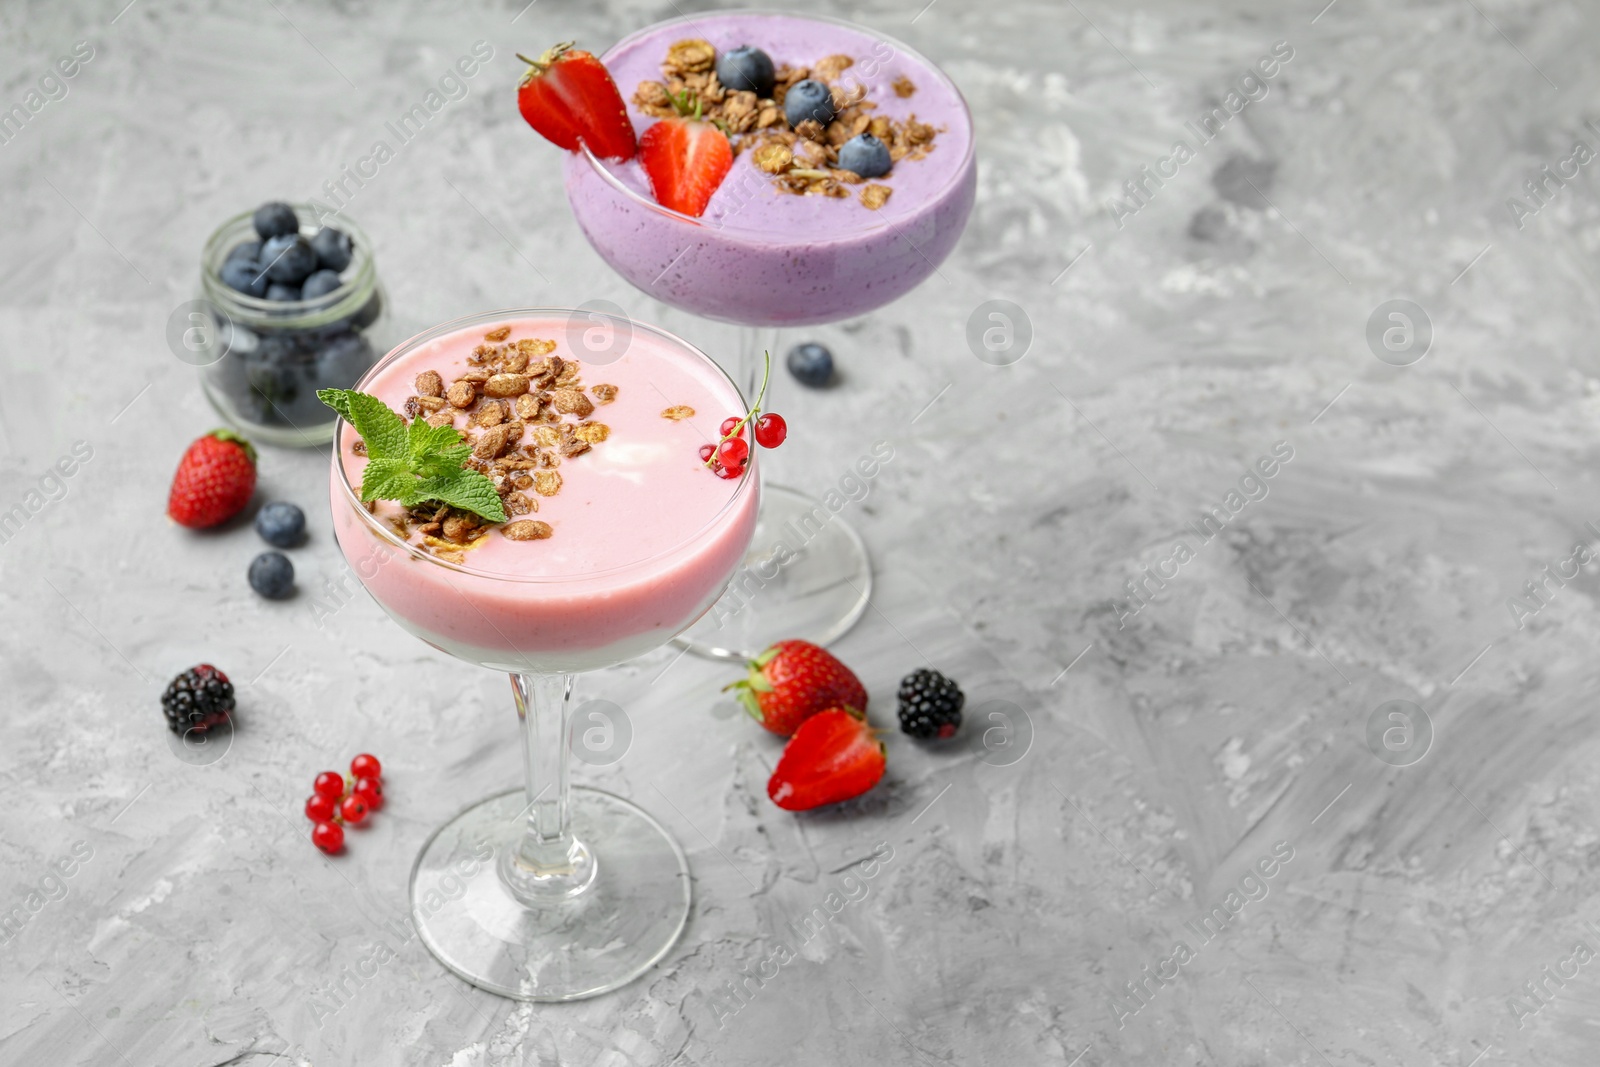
x,y
215,479
792,681
832,757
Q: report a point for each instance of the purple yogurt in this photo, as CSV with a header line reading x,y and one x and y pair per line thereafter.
x,y
761,257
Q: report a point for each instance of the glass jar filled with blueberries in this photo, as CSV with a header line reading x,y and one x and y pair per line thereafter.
x,y
296,307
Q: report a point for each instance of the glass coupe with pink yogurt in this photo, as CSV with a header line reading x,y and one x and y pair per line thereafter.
x,y
551,893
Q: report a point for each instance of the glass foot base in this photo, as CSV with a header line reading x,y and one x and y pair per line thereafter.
x,y
579,946
805,576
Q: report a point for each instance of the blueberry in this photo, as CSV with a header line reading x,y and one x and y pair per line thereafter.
x,y
283,293
288,259
272,575
281,523
811,364
746,68
245,275
250,250
343,361
368,314
809,99
332,248
320,284
866,155
275,219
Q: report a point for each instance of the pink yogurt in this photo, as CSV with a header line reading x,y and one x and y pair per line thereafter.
x,y
760,257
645,537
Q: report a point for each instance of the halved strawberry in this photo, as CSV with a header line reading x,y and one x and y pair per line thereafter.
x,y
832,757
685,159
568,96
792,681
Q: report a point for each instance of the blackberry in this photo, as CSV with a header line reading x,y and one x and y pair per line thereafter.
x,y
198,699
930,704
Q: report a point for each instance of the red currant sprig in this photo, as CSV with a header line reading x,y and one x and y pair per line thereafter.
x,y
339,800
727,458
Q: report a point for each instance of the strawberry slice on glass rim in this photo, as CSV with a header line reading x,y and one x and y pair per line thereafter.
x,y
569,98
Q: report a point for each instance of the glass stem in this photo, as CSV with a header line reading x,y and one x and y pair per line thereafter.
x,y
548,862
754,340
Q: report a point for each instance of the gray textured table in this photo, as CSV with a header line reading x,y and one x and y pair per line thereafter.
x,y
1202,833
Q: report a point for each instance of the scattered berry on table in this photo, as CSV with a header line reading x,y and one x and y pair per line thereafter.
x,y
272,575
833,756
329,784
353,810
288,259
930,704
328,836
198,699
866,155
809,99
746,69
771,430
366,766
811,364
274,219
320,284
245,276
369,790
321,808
793,680
214,480
333,249
281,524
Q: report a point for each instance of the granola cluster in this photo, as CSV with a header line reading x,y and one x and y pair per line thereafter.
x,y
525,411
803,160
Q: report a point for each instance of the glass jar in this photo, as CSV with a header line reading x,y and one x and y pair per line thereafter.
x,y
263,361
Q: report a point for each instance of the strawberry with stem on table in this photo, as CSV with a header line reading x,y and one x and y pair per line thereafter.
x,y
794,680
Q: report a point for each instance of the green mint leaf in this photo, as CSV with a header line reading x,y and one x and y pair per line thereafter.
x,y
414,463
436,450
465,489
390,479
382,430
338,400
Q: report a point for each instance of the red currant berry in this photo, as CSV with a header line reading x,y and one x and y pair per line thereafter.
x,y
320,808
365,766
328,836
771,430
729,473
707,451
729,423
330,784
371,791
733,452
353,810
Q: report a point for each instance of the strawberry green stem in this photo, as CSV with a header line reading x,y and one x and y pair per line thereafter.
x,y
766,373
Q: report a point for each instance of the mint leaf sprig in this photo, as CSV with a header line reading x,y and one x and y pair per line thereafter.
x,y
766,374
416,463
